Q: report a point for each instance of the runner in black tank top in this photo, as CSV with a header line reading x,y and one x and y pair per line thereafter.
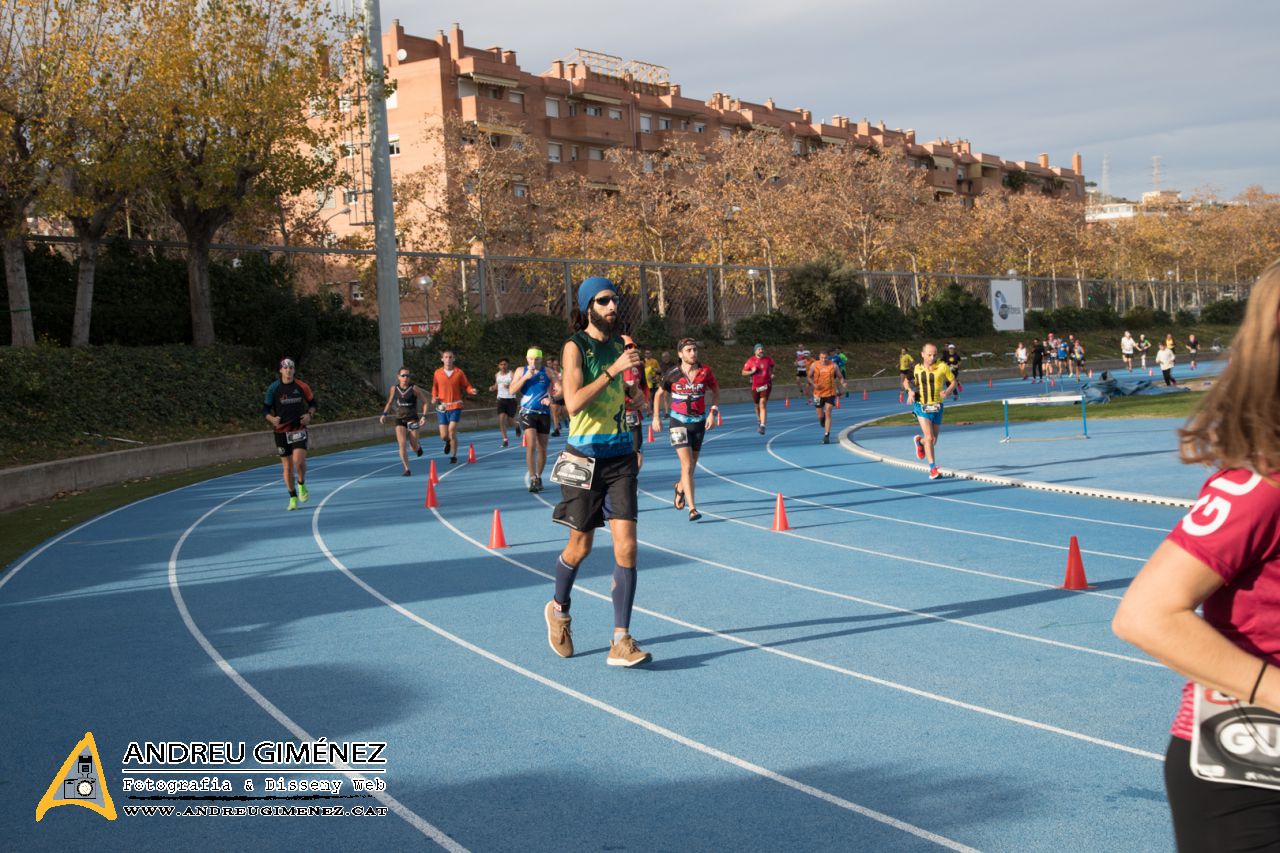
x,y
405,404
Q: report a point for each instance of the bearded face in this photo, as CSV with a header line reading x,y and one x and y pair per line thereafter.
x,y
600,321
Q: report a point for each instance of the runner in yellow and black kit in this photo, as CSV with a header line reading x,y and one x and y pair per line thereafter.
x,y
932,382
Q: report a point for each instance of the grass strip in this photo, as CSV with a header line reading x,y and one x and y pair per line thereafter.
x,y
1164,406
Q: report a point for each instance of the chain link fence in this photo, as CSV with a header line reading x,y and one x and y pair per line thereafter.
x,y
688,297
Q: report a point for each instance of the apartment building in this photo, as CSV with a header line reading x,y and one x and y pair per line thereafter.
x,y
582,106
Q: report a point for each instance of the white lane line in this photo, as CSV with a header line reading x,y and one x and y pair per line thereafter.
x,y
404,812
8,576
732,638
962,501
906,611
911,522
612,710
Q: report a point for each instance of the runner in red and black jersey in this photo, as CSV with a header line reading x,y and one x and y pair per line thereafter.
x,y
288,407
687,385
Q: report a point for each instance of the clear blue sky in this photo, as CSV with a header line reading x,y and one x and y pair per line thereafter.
x,y
1193,82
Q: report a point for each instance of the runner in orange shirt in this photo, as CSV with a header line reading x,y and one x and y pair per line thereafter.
x,y
447,388
824,374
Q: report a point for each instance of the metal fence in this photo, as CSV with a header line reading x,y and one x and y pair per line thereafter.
x,y
687,296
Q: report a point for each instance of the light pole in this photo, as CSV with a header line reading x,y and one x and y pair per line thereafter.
x,y
423,283
753,274
324,239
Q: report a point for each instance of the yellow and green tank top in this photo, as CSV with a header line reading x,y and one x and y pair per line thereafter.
x,y
599,429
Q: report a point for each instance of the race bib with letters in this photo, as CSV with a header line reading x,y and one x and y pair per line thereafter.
x,y
296,436
574,471
1233,742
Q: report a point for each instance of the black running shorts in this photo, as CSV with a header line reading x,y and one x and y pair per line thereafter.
x,y
507,406
540,422
284,447
612,495
694,434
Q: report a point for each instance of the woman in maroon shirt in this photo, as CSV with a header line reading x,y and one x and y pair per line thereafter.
x,y
1224,790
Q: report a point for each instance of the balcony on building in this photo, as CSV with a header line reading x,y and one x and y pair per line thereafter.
x,y
595,171
584,128
484,109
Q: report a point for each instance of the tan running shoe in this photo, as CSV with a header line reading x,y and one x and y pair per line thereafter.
x,y
625,652
559,636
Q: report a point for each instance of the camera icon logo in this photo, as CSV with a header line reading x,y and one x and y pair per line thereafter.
x,y
79,782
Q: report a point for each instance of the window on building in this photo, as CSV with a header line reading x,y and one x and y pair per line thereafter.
x,y
615,114
393,100
316,107
726,134
573,108
553,152
495,92
646,124
797,146
393,143
573,152
344,104
325,199
664,123
648,163
520,190
357,295
516,97
699,127
350,196
553,108
595,153
593,110
959,173
348,150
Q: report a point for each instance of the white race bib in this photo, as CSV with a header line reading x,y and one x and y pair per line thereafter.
x,y
1233,742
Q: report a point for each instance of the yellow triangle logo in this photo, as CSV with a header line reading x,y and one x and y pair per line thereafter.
x,y
80,782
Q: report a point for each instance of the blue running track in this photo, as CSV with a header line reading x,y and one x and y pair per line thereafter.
x,y
899,671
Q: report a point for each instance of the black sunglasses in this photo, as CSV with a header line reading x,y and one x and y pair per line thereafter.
x,y
605,300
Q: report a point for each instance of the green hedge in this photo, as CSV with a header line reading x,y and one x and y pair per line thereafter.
x,y
57,397
1225,312
140,299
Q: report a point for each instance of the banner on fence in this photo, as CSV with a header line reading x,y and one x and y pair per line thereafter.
x,y
1006,304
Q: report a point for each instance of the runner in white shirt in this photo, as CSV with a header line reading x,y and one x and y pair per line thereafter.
x,y
506,399
1127,346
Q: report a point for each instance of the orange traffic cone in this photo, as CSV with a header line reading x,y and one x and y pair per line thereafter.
x,y
990,383
864,395
431,502
471,453
1151,372
1075,568
1052,382
496,538
651,432
786,401
780,515
433,477
1091,373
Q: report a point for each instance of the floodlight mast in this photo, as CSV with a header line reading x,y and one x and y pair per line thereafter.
x,y
390,343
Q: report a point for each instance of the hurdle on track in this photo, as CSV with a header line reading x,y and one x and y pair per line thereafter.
x,y
1046,400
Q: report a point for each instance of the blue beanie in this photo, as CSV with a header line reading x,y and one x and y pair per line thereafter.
x,y
591,288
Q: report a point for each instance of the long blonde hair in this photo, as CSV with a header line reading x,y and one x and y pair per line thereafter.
x,y
1237,425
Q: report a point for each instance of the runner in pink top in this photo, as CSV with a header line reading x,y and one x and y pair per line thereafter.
x,y
1224,556
760,368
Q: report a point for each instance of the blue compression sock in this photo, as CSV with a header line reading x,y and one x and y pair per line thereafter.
x,y
565,574
623,590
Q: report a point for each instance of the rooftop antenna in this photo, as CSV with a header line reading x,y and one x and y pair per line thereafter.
x,y
1106,177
